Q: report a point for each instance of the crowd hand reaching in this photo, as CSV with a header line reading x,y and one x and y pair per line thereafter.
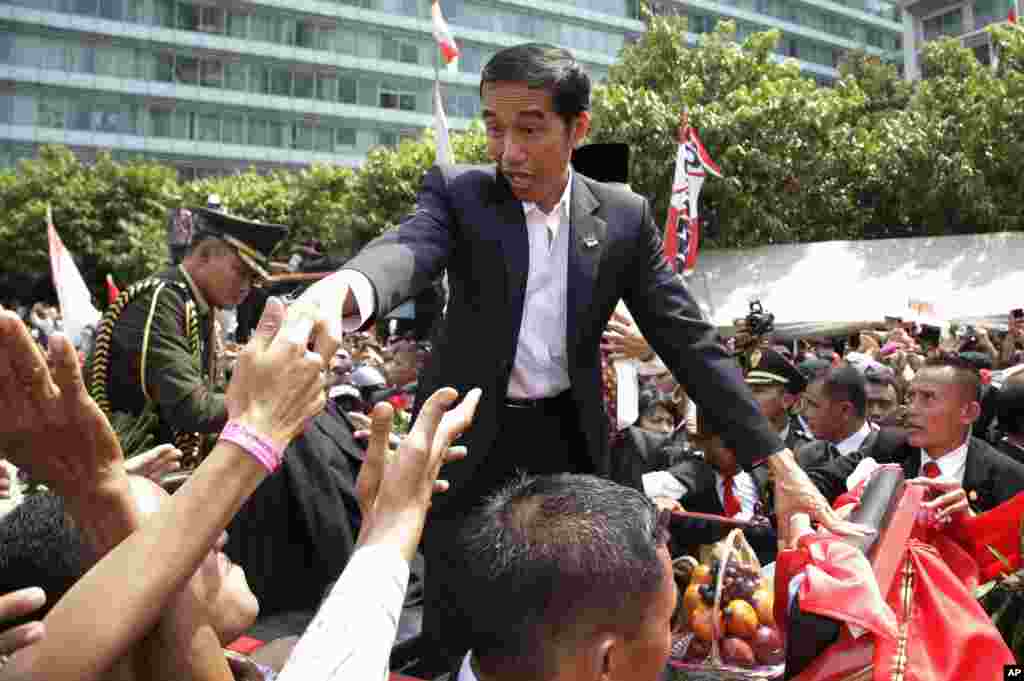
x,y
623,340
51,427
16,605
278,384
327,298
668,504
948,498
395,487
795,494
155,463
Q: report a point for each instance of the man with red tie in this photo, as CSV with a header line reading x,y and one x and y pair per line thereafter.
x,y
944,401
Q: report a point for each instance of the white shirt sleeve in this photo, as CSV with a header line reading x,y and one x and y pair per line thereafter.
x,y
353,632
662,484
362,290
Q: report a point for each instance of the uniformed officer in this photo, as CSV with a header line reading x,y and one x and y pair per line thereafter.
x,y
777,384
154,345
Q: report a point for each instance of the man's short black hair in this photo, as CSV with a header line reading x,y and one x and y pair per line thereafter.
x,y
543,67
41,546
846,384
1010,409
965,374
548,562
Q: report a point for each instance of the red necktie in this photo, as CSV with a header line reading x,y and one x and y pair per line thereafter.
x,y
931,470
732,504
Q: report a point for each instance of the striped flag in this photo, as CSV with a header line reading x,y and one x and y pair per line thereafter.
x,y
443,36
444,147
693,165
73,295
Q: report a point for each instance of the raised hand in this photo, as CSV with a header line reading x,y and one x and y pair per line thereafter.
x,y
155,463
622,338
395,487
50,425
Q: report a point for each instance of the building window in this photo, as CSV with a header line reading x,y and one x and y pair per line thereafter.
x,y
304,85
213,73
212,20
390,99
235,76
209,128
305,34
188,17
257,132
345,137
302,136
277,134
237,24
387,138
326,87
51,111
281,82
347,90
161,122
232,129
186,70
947,24
323,139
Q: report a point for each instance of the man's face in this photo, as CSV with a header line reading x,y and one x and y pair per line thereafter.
x,y
659,420
824,416
646,655
531,144
882,401
227,280
771,399
719,456
938,411
221,584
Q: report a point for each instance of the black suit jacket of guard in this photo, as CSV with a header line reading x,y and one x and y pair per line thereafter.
x,y
990,477
468,221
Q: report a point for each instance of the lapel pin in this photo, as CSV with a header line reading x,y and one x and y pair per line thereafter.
x,y
589,241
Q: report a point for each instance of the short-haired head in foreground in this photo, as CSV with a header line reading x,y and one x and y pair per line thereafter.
x,y
566,576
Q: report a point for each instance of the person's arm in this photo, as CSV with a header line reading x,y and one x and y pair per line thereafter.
x,y
279,386
353,632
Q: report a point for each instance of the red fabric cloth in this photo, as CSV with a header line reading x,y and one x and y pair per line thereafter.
x,y
998,528
245,645
731,503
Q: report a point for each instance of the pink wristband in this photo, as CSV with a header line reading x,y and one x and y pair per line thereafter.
x,y
259,447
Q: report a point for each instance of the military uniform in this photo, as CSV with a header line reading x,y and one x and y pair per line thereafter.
x,y
769,367
156,342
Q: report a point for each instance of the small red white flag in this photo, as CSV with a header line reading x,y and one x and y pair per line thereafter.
x,y
443,36
73,295
113,293
693,165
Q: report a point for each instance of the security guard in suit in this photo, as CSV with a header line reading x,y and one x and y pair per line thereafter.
x,y
155,345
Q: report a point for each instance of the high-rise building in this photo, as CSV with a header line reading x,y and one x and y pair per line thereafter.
x,y
216,85
925,20
817,33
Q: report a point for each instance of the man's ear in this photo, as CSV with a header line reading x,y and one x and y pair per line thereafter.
x,y
581,128
971,412
602,658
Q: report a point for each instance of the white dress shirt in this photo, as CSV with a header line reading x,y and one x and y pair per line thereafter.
x,y
466,670
853,443
353,632
745,490
540,368
952,465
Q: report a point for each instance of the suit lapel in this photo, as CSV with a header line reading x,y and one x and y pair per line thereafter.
x,y
977,472
911,462
515,247
587,234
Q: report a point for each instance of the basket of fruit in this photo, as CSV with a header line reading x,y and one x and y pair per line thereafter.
x,y
724,626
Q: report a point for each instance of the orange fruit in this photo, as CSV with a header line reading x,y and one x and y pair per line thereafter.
x,y
691,599
702,623
764,604
701,575
740,618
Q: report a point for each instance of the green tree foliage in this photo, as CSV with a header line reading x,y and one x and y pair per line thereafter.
x,y
109,215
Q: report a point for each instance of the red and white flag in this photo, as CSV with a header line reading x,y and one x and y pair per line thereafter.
x,y
73,295
113,293
443,153
443,36
693,165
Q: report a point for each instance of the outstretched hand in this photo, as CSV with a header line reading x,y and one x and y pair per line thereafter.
x,y
795,494
14,606
395,487
51,427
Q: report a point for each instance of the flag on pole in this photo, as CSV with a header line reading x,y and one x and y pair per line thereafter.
x,y
445,41
113,293
72,293
1012,14
693,165
444,145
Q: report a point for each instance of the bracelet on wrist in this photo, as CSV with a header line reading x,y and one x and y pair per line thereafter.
x,y
255,444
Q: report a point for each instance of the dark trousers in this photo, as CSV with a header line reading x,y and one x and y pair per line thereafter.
x,y
539,441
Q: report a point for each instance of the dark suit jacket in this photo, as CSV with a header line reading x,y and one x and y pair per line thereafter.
x,y
990,477
468,221
701,496
817,453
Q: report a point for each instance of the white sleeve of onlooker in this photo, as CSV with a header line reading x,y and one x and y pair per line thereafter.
x,y
362,290
353,632
662,484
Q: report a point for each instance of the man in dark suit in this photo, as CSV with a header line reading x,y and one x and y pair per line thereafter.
x,y
836,410
537,258
937,447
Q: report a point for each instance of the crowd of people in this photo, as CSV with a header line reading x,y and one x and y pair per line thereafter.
x,y
575,403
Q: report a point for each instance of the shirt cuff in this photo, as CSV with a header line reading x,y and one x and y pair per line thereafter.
x,y
360,288
662,484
